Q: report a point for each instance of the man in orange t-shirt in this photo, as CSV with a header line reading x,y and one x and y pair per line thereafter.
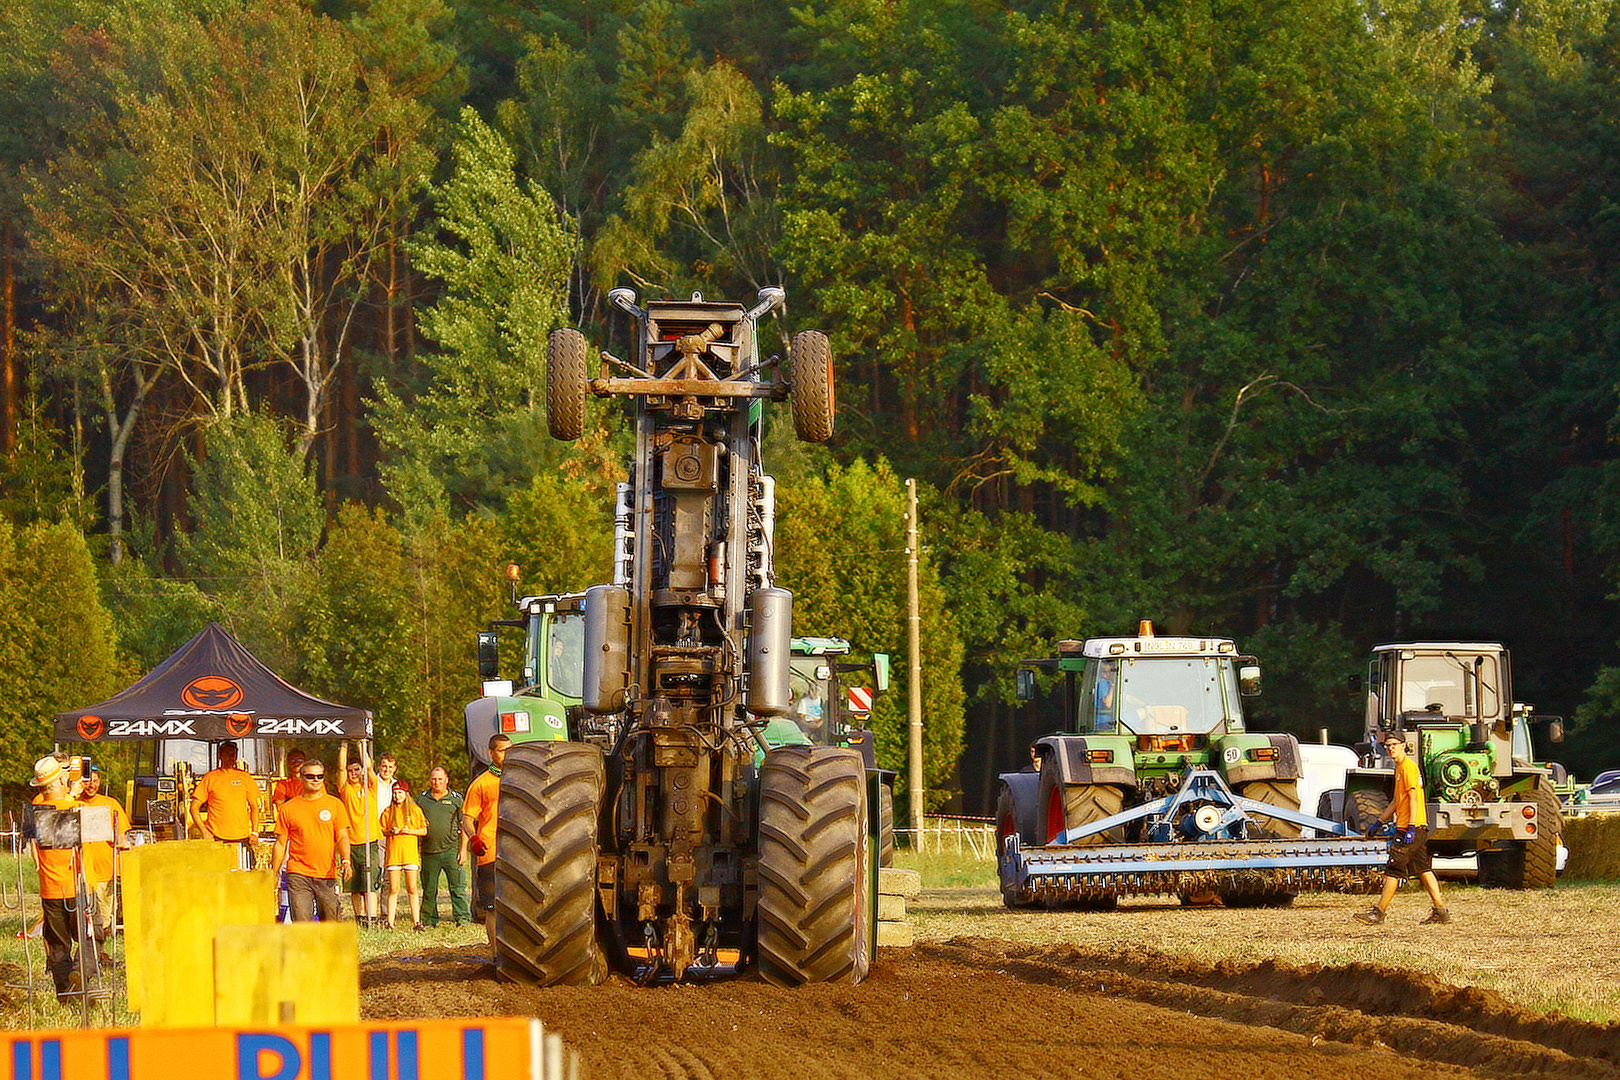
x,y
58,880
312,835
291,786
361,792
230,797
98,855
478,812
1409,850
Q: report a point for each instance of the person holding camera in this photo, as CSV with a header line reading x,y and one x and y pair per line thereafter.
x,y
1409,849
59,783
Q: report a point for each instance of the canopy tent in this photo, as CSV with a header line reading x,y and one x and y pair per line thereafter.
x,y
212,688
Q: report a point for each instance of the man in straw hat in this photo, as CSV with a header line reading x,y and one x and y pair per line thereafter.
x,y
58,886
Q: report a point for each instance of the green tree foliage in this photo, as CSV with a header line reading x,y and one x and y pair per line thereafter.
x,y
57,643
840,548
257,527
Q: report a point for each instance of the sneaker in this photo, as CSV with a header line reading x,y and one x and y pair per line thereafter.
x,y
1372,916
1438,915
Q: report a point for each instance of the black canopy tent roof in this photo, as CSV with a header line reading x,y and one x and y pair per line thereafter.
x,y
212,688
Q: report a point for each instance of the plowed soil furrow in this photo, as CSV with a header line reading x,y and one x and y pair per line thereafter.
x,y
990,1008
1359,1005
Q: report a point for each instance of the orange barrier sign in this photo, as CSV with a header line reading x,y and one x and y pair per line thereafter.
x,y
462,1049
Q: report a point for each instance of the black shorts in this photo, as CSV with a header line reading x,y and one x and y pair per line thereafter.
x,y
486,887
1408,860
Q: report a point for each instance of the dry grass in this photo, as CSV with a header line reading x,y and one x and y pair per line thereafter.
x,y
1546,950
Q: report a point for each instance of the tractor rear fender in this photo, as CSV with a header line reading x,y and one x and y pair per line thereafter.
x,y
1025,789
1245,757
1091,759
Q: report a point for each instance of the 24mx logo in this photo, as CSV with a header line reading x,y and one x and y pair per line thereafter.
x,y
212,692
147,729
292,725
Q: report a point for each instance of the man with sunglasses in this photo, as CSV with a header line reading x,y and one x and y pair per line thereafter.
x,y
312,835
1409,849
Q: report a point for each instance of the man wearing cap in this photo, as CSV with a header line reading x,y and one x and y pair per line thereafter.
x,y
58,886
1409,849
291,786
229,797
98,854
312,835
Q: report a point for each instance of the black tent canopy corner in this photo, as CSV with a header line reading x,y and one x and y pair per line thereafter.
x,y
212,688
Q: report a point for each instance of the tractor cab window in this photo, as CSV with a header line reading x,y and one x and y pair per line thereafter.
x,y
1163,696
1521,741
565,667
808,676
254,755
1447,686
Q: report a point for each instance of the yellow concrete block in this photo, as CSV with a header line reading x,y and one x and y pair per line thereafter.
x,y
151,862
891,909
290,973
893,881
179,913
895,935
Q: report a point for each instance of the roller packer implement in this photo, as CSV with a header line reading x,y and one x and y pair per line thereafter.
x,y
1155,787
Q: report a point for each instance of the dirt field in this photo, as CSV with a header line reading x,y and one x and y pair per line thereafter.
x,y
990,993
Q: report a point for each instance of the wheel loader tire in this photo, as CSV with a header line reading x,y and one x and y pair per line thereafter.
x,y
1531,865
545,865
1007,825
810,368
815,902
1283,794
885,825
1366,807
1070,806
566,384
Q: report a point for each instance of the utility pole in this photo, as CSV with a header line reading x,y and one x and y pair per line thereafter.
x,y
914,676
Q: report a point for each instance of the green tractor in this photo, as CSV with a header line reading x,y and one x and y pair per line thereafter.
x,y
1453,704
1154,785
538,705
827,712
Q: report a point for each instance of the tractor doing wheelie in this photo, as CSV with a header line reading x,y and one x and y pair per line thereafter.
x,y
650,840
1156,787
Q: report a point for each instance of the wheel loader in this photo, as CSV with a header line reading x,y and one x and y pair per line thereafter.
x,y
1156,786
665,838
1453,704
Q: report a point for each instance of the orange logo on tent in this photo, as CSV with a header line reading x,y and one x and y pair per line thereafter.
x,y
212,692
238,724
91,727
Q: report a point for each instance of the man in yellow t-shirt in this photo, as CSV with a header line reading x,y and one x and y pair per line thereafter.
x,y
359,788
225,803
478,813
58,880
98,855
1409,849
312,834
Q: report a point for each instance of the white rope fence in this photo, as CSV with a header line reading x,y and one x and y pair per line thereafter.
x,y
953,835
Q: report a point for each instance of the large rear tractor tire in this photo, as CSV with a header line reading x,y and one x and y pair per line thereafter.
x,y
545,865
815,906
885,825
810,368
1283,794
1071,806
566,384
1531,865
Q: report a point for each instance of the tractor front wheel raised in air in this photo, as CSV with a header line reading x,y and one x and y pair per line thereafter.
x,y
815,867
545,865
566,384
810,368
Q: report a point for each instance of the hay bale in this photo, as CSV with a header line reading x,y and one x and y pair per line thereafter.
x,y
1594,847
